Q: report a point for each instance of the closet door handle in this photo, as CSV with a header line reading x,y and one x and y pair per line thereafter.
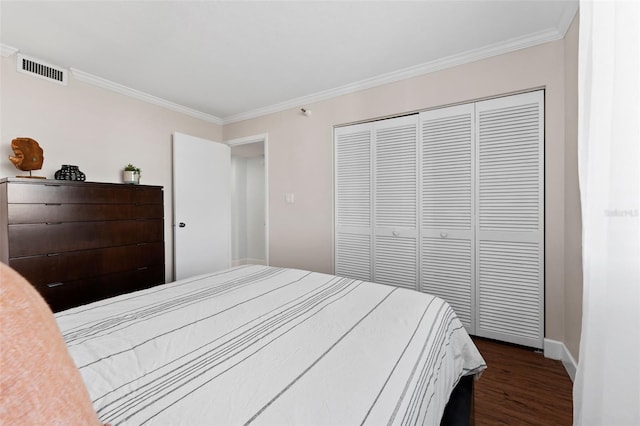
x,y
182,225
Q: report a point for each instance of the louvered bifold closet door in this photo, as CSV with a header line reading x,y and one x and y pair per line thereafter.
x,y
395,202
510,219
447,208
353,201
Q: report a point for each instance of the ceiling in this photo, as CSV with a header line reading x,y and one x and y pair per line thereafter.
x,y
234,60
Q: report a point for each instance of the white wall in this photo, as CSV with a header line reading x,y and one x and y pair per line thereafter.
x,y
572,213
238,209
256,247
248,210
98,130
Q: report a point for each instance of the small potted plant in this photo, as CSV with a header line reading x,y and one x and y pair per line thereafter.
x,y
131,174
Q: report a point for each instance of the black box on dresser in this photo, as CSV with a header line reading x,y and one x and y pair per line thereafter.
x,y
78,242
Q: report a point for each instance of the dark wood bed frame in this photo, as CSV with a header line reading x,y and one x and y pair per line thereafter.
x,y
459,409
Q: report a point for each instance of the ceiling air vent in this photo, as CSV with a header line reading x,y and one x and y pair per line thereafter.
x,y
41,69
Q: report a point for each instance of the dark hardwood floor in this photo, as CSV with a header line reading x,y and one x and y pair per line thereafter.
x,y
521,387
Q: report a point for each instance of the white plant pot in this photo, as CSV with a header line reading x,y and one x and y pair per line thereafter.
x,y
130,177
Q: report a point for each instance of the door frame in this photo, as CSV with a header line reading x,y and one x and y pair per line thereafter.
x,y
264,138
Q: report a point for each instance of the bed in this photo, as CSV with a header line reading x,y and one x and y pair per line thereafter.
x,y
266,345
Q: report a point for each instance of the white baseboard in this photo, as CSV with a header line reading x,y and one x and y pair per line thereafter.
x,y
569,363
247,261
557,350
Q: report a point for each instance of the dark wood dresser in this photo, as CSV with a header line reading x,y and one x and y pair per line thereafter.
x,y
78,242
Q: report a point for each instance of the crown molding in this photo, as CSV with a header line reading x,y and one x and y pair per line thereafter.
x,y
570,11
496,49
137,94
7,50
451,61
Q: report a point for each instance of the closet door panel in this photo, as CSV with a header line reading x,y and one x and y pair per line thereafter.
x,y
447,168
447,271
396,174
396,202
509,283
353,201
447,208
396,259
510,219
353,255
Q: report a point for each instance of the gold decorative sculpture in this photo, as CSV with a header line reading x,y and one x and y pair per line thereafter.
x,y
28,156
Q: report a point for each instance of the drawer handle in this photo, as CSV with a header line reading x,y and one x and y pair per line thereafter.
x,y
53,223
52,204
143,268
444,234
52,285
51,184
396,233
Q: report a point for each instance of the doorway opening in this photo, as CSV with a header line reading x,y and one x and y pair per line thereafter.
x,y
249,201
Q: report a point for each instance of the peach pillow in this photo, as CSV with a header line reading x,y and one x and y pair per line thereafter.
x,y
39,383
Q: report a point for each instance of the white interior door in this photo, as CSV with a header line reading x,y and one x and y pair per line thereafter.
x,y
447,208
510,219
201,206
353,201
395,202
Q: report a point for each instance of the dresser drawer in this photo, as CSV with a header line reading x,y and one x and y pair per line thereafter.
x,y
82,193
65,295
37,239
46,269
53,213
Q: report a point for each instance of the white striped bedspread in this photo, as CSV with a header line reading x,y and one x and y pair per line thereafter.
x,y
266,345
